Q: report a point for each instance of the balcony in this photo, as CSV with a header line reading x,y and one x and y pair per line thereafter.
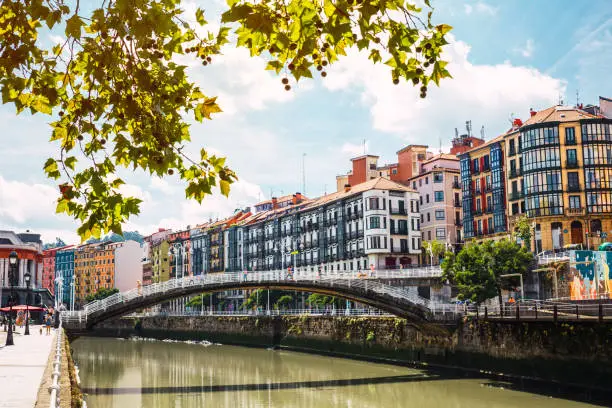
x,y
398,211
516,195
571,164
458,223
515,173
456,184
400,250
457,204
332,240
478,191
478,212
488,210
488,188
399,231
573,187
574,211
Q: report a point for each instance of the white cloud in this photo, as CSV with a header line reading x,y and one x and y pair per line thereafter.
x,y
485,93
160,185
21,202
354,149
480,7
527,49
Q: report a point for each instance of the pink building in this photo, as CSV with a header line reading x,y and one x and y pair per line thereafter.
x,y
439,188
48,272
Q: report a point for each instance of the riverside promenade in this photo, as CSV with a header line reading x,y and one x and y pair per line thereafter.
x,y
22,367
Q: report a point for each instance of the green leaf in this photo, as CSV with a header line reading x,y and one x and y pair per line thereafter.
x,y
200,17
73,26
70,161
224,186
443,28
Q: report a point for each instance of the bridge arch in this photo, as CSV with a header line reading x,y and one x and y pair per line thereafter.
x,y
359,288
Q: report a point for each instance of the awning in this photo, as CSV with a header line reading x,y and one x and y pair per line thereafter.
x,y
23,307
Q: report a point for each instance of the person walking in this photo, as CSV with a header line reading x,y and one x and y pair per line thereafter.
x,y
48,323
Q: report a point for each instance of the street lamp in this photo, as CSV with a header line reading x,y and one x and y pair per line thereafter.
x,y
13,258
27,278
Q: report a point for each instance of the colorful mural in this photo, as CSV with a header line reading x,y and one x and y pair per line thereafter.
x,y
590,275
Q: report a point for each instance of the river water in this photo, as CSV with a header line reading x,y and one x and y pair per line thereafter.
x,y
131,374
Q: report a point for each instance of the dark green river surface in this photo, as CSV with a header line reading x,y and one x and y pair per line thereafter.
x,y
131,374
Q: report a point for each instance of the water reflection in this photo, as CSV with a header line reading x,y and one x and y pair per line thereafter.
x,y
120,373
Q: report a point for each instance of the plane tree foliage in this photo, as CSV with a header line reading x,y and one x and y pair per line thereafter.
x,y
118,97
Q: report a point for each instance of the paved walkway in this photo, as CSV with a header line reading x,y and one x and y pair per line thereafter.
x,y
22,367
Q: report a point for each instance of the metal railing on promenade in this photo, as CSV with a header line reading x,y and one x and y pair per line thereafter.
x,y
54,389
533,310
366,280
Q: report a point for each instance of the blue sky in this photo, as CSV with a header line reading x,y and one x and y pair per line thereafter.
x,y
506,57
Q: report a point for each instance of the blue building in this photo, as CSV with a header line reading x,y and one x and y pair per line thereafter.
x,y
64,269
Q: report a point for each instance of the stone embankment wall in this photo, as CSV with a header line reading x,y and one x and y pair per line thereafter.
x,y
578,353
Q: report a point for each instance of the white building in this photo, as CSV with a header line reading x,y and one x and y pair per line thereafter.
x,y
128,264
375,223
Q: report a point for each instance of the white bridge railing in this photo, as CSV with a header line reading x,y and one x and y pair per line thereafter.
x,y
367,280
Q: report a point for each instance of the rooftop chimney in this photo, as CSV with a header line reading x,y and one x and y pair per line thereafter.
x,y
532,112
274,203
347,188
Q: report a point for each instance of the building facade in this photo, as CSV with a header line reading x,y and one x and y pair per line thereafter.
x,y
483,189
373,224
439,188
555,169
563,166
48,272
179,253
64,274
160,259
28,247
128,268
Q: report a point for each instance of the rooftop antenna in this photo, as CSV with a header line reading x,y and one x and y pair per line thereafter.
x,y
560,99
468,127
482,133
511,119
324,189
577,98
440,145
364,147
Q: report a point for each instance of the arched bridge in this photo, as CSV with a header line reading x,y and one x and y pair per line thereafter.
x,y
365,287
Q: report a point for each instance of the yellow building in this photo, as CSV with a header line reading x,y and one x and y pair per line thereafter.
x,y
160,261
559,166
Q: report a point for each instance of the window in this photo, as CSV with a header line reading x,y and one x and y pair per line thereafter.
x,y
571,158
440,233
476,166
574,202
372,166
420,182
440,215
394,171
478,207
486,163
479,227
374,222
439,196
414,185
489,204
373,203
426,198
429,235
438,177
512,150
572,181
374,242
596,132
570,136
426,180
533,138
428,217
421,200
456,180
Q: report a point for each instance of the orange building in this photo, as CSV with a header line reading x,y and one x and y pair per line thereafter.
x,y
93,269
